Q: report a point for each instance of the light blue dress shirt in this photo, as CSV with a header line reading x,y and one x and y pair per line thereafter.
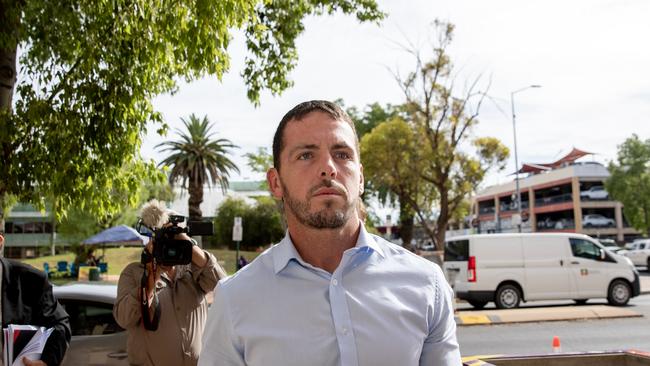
x,y
383,305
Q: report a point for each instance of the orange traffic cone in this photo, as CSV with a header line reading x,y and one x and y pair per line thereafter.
x,y
556,344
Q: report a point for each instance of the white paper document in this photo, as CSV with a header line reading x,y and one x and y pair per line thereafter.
x,y
23,341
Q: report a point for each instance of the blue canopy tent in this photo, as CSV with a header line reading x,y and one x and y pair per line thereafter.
x,y
117,236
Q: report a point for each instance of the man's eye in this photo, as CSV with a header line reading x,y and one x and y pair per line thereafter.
x,y
342,155
305,156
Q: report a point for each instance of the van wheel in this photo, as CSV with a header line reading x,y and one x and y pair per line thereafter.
x,y
619,293
507,297
580,301
477,304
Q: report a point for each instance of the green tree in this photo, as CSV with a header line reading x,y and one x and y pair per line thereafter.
x,y
89,70
393,157
197,159
260,162
371,116
459,161
629,181
262,222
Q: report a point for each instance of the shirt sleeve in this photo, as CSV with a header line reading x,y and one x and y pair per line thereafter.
x,y
127,311
441,347
207,276
220,346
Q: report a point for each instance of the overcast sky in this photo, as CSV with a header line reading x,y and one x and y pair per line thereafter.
x,y
591,58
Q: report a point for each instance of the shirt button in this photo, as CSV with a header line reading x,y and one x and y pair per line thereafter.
x,y
344,331
335,282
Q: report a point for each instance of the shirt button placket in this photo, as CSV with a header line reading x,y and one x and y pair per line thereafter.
x,y
341,317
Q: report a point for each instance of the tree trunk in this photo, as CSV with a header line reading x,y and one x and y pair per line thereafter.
x,y
7,78
10,21
194,201
53,233
406,218
406,229
443,219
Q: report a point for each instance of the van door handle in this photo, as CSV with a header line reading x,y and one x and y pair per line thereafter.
x,y
575,262
561,262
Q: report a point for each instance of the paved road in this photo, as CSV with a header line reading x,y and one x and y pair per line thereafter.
x,y
580,335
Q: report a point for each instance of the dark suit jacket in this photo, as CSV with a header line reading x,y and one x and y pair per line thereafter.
x,y
27,299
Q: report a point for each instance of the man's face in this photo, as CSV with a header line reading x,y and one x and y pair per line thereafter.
x,y
321,177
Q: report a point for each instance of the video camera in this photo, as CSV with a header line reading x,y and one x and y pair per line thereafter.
x,y
167,250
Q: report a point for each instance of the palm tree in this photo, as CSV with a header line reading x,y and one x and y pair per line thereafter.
x,y
197,159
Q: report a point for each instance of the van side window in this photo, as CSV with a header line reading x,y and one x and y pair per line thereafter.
x,y
456,250
584,249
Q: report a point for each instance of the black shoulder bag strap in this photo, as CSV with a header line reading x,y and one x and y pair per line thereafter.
x,y
149,324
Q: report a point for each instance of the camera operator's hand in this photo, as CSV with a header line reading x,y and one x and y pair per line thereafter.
x,y
198,257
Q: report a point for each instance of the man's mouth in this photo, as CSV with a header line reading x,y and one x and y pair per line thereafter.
x,y
327,192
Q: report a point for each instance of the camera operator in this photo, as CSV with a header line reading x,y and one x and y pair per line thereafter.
x,y
172,298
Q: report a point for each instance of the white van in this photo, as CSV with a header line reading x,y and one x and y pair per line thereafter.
x,y
510,268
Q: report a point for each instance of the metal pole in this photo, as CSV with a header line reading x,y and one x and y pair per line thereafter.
x,y
237,256
514,131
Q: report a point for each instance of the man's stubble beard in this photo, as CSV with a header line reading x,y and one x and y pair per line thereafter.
x,y
326,218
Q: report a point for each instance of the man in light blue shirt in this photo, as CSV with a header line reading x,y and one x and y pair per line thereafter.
x,y
329,293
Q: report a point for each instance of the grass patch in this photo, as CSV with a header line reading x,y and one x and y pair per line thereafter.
x,y
118,258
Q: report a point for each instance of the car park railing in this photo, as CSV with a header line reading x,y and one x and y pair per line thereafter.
x,y
545,201
513,206
486,210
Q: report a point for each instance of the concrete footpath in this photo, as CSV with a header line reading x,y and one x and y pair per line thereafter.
x,y
528,315
543,314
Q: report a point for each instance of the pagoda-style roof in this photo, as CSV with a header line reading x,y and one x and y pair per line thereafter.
x,y
572,156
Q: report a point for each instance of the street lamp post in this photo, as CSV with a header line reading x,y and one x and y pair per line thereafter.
x,y
514,131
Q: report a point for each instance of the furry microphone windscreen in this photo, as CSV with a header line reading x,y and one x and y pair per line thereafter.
x,y
154,214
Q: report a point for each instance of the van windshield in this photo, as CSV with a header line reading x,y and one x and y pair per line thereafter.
x,y
456,250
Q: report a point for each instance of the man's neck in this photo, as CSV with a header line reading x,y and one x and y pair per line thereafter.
x,y
323,248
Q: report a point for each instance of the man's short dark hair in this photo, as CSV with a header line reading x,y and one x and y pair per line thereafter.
x,y
299,112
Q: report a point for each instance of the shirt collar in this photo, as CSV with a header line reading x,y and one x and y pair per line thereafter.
x,y
285,251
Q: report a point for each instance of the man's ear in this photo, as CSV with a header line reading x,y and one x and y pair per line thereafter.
x,y
273,180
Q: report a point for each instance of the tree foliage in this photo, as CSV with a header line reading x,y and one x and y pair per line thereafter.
x,y
89,70
197,159
79,224
629,181
458,162
261,161
262,222
371,116
393,155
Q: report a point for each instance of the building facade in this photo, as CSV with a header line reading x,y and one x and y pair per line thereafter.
x,y
565,196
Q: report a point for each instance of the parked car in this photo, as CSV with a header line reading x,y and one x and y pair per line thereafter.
x,y
428,246
610,244
97,339
639,252
546,223
595,193
510,268
596,220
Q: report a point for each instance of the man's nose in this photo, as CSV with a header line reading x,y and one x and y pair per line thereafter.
x,y
328,168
